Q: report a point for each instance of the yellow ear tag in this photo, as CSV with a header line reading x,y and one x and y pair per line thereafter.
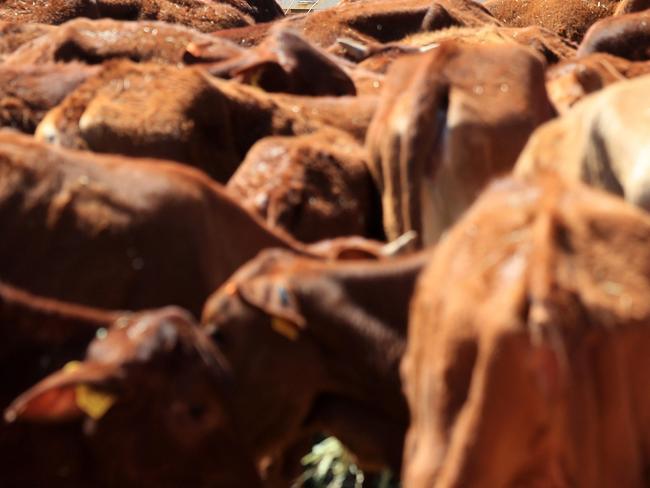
x,y
92,402
285,328
71,366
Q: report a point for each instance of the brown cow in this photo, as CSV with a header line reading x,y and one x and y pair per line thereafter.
x,y
448,122
14,35
204,15
602,141
314,186
626,36
379,57
182,114
50,12
28,92
366,22
341,326
117,233
553,47
94,41
285,62
443,14
568,18
154,399
572,80
280,314
37,337
528,341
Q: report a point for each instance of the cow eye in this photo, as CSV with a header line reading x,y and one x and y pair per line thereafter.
x,y
218,336
196,411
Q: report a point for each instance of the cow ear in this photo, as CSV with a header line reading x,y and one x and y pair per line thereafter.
x,y
75,391
266,74
275,298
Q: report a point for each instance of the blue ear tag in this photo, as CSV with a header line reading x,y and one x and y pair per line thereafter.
x,y
284,297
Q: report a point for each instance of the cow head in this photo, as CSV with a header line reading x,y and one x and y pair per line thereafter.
x,y
437,136
153,392
285,62
256,320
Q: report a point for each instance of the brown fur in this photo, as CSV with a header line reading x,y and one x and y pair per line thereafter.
x,y
625,36
601,141
448,122
120,233
203,15
527,346
14,35
94,41
339,373
150,110
567,18
553,47
314,186
457,13
366,22
285,62
247,36
114,233
51,12
28,92
184,412
572,80
171,424
37,337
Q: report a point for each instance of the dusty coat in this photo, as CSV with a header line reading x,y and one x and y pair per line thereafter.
x,y
602,140
315,186
448,121
527,353
183,114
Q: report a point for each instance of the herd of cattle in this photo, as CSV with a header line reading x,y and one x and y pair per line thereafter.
x,y
317,189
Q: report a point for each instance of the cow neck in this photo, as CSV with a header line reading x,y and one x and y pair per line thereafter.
x,y
242,235
357,314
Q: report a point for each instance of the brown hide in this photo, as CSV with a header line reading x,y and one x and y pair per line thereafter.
x,y
95,41
365,22
28,92
625,36
449,121
247,36
553,47
568,18
602,141
329,338
38,336
117,233
203,15
527,350
50,12
570,81
457,13
314,186
168,418
182,114
14,35
285,62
